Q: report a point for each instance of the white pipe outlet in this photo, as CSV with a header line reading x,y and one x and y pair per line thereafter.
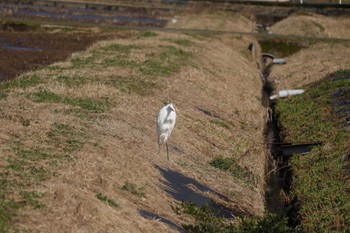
x,y
286,93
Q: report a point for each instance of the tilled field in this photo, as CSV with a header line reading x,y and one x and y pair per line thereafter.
x,y
23,51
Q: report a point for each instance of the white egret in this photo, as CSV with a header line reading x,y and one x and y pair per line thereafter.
x,y
165,125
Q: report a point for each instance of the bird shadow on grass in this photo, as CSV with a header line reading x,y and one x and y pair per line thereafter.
x,y
177,186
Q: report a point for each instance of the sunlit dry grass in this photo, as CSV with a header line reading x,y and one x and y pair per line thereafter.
x,y
101,118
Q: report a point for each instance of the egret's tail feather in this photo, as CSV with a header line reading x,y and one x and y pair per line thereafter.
x,y
161,139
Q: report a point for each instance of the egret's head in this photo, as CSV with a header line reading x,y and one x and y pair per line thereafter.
x,y
171,107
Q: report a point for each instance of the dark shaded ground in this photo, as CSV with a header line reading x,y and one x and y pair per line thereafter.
x,y
24,51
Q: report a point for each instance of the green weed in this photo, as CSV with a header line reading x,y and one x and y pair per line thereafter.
x,y
243,125
20,82
84,103
5,217
167,62
146,34
25,122
34,155
84,61
183,42
206,221
3,96
138,85
118,48
75,81
27,81
31,198
88,104
133,189
107,200
119,62
66,137
27,163
47,97
25,168
221,123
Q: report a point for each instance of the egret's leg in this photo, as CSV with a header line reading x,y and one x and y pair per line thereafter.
x,y
167,150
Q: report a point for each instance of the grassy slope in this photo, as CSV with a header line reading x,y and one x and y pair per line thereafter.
x,y
313,26
320,180
78,136
42,146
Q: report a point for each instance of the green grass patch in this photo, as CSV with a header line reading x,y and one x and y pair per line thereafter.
x,y
31,198
119,62
320,181
136,85
133,189
206,221
146,34
3,95
230,164
117,55
84,61
25,168
28,164
84,103
88,104
5,217
220,123
75,81
47,97
165,63
184,42
243,125
20,82
107,200
107,56
34,155
118,48
66,137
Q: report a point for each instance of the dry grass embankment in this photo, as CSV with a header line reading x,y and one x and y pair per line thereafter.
x,y
311,64
314,26
78,141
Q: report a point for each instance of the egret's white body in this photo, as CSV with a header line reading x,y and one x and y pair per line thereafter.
x,y
165,124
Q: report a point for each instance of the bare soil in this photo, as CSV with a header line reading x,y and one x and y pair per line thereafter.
x,y
23,51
